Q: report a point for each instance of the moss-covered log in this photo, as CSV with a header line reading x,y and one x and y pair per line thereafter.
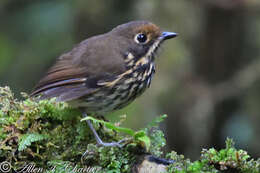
x,y
49,136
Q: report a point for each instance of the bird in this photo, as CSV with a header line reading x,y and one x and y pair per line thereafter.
x,y
106,72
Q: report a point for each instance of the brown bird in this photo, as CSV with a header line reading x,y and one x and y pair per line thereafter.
x,y
105,72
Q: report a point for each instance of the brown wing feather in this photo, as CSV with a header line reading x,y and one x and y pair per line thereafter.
x,y
65,76
77,72
66,92
58,84
62,70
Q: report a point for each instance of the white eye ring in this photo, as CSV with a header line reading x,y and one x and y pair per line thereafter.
x,y
141,38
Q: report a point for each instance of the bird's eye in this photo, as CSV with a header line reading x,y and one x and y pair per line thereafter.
x,y
141,38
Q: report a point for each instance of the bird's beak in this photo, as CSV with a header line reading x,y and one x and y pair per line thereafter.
x,y
168,35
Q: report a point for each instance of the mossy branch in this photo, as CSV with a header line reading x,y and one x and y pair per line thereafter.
x,y
52,136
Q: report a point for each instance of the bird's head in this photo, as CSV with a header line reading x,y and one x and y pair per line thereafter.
x,y
140,39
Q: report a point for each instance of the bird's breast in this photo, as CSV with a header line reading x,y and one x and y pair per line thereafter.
x,y
123,90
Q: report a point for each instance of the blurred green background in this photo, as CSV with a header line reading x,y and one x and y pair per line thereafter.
x,y
207,80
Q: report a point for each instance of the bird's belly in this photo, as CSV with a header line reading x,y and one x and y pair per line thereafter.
x,y
112,99
117,96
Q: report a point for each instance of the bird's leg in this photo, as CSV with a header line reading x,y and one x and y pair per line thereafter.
x,y
99,141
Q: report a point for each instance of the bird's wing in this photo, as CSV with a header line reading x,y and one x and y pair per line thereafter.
x,y
64,90
78,72
67,81
64,80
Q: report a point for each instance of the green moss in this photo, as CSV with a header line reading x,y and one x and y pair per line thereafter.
x,y
52,136
212,161
231,158
49,132
27,139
